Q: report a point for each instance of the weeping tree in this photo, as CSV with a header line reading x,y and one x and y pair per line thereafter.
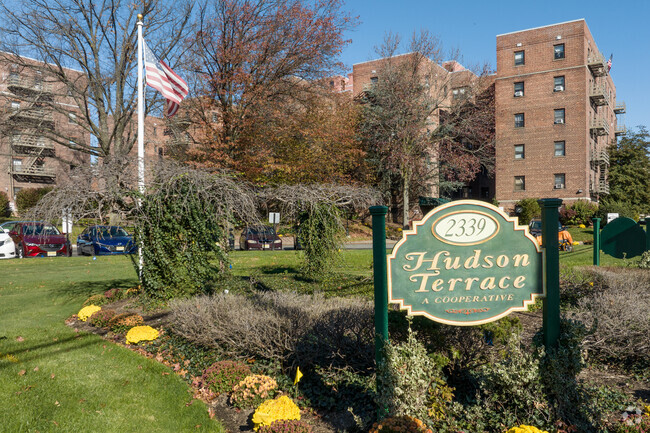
x,y
318,209
180,222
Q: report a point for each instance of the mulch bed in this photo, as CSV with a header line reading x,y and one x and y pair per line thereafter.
x,y
237,420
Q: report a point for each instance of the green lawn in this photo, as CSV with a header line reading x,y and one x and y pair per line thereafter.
x,y
55,379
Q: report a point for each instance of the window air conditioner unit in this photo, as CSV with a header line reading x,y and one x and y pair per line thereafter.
x,y
559,88
519,93
559,186
559,121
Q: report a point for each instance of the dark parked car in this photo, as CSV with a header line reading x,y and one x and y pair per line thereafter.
x,y
105,240
260,238
39,239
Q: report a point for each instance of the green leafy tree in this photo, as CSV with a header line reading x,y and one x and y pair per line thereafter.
x,y
321,235
629,172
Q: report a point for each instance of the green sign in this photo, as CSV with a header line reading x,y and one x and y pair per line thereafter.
x,y
465,263
623,238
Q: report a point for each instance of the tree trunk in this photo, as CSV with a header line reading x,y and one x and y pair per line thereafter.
x,y
406,182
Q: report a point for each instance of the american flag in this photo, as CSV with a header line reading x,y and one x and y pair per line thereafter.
x,y
609,62
163,79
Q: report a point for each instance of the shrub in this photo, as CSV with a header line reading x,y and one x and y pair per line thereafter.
x,y
644,260
583,211
87,311
272,325
286,426
619,313
529,209
125,321
95,300
28,197
400,424
253,390
282,408
404,377
141,333
112,295
101,318
222,376
621,208
5,209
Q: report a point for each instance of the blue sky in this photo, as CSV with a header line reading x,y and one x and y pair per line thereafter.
x,y
619,27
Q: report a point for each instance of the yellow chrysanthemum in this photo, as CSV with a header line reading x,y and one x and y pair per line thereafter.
x,y
88,311
525,429
141,333
281,408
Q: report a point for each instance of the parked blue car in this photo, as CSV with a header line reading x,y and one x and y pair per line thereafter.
x,y
105,240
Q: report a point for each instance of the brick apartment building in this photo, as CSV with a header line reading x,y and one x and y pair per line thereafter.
x,y
555,115
29,156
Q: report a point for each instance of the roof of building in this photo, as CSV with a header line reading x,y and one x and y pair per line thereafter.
x,y
541,27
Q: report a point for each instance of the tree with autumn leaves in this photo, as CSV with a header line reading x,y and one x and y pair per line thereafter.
x,y
261,108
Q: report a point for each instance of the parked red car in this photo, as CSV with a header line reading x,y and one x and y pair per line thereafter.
x,y
39,239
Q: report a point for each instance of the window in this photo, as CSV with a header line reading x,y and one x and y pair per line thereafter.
x,y
15,106
519,151
558,51
519,58
215,118
519,120
560,148
519,89
374,80
559,116
459,93
72,117
558,84
16,191
559,181
17,164
520,183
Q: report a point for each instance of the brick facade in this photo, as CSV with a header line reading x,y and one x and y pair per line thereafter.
x,y
28,157
535,89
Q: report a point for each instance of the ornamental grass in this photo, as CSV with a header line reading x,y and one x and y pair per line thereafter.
x,y
141,333
252,391
400,424
87,311
281,408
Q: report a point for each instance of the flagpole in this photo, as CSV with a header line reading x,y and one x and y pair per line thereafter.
x,y
140,132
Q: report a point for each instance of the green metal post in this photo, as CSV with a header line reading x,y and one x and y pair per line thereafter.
x,y
551,311
596,222
380,278
647,233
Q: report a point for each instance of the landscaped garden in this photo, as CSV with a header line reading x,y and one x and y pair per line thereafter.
x,y
216,359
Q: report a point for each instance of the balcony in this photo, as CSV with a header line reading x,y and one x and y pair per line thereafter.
x,y
32,145
599,95
33,116
599,126
600,157
619,108
29,86
600,187
597,64
32,173
620,130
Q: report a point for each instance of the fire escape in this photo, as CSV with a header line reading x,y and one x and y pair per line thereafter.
x,y
29,120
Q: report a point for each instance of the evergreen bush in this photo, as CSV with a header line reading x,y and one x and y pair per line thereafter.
x,y
5,210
